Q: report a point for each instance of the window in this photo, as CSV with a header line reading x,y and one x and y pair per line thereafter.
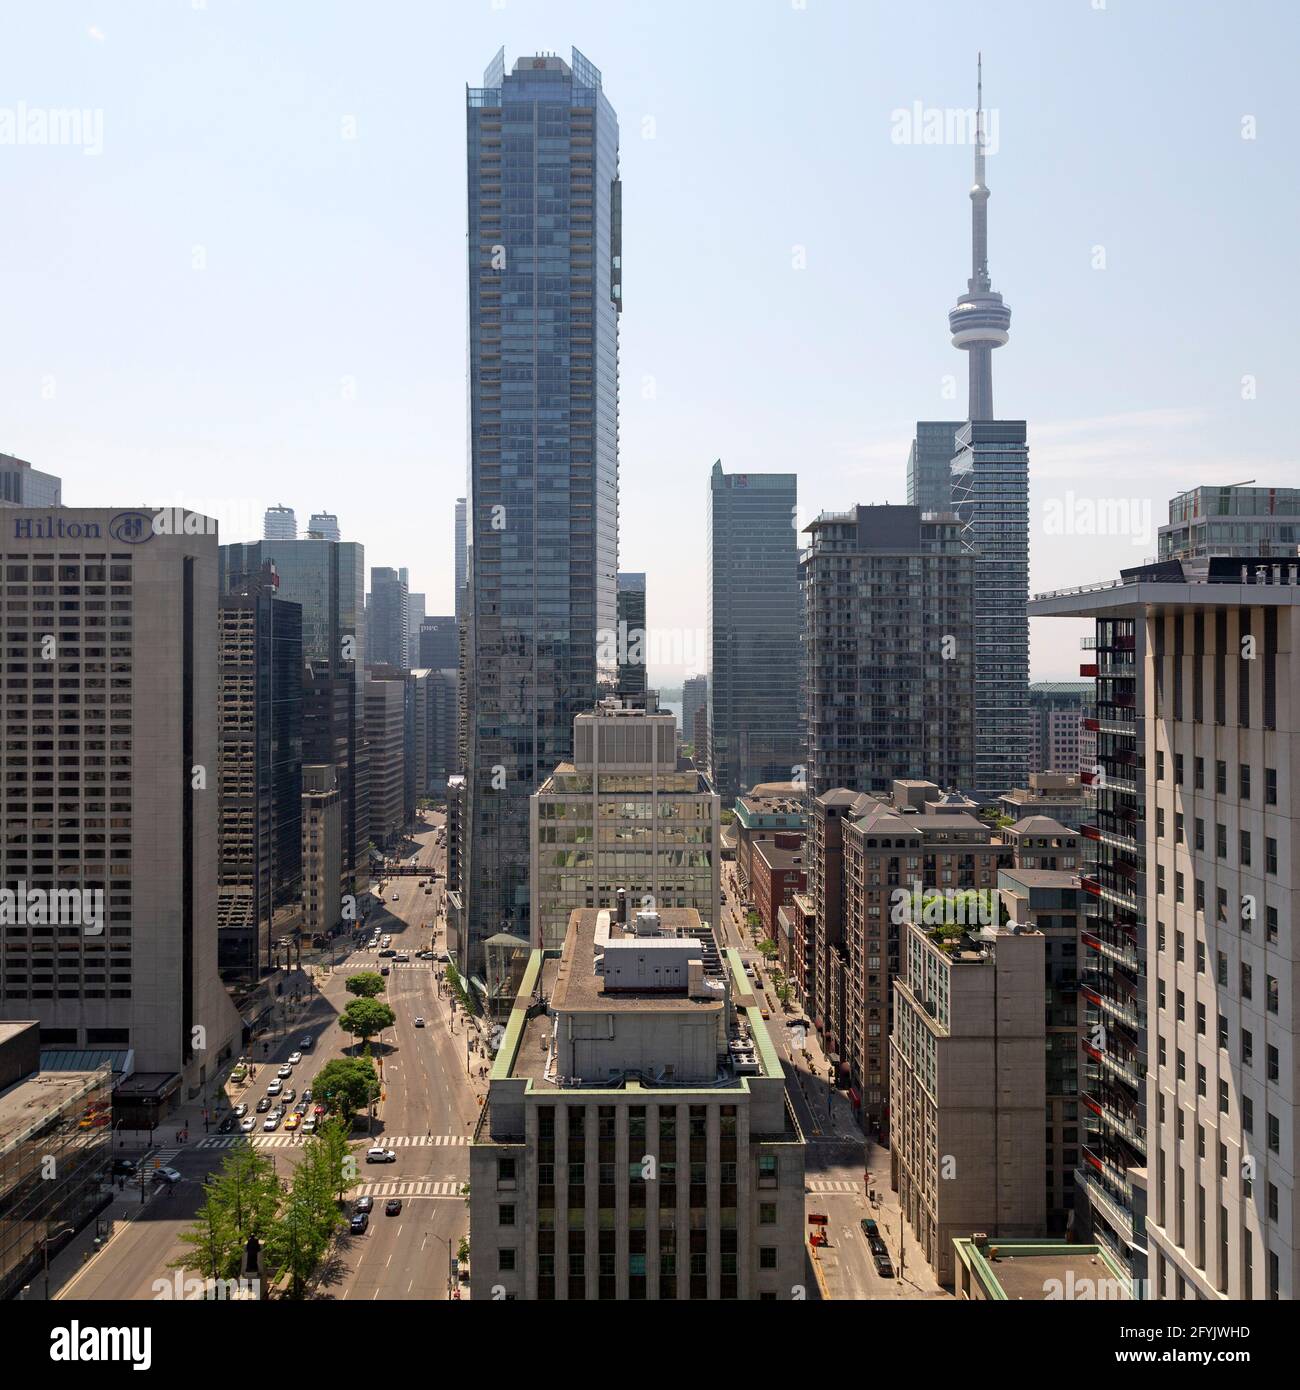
x,y
767,1257
1274,1133
1223,1097
1160,765
1270,923
767,1176
1270,786
1178,945
1246,980
506,1259
1270,855
1160,823
767,1213
506,1214
1200,1019
1243,781
1272,1202
1272,1062
1199,771
1221,778
1272,994
1221,840
1245,846
1200,833
1201,1088
1247,1047
1248,1115
1178,768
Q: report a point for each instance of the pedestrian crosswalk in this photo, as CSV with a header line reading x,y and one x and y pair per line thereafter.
x,y
280,1141
413,1187
162,1158
833,1185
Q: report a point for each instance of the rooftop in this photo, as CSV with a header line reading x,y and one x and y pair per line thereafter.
x,y
29,1105
1018,1270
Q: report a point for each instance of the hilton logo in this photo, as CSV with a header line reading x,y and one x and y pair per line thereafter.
x,y
55,528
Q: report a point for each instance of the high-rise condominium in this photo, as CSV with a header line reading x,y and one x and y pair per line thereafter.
x,y
327,579
929,465
1190,1038
633,639
1233,520
107,729
755,621
545,288
889,598
324,526
460,560
279,524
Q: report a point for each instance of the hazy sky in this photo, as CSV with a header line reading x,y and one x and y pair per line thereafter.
x,y
242,281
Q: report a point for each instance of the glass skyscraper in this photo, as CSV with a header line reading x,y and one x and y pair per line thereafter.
x,y
755,629
544,267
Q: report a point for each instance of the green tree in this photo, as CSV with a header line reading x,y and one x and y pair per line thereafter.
x,y
238,1202
363,1018
457,986
367,984
347,1085
308,1218
337,1157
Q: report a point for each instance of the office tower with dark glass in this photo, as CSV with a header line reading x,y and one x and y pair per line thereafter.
x,y
755,625
889,617
327,578
439,647
387,618
544,266
259,772
633,639
990,492
929,465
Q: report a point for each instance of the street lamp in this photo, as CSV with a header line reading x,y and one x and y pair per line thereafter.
x,y
446,1240
45,1247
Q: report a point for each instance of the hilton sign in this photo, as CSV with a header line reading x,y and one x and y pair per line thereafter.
x,y
130,528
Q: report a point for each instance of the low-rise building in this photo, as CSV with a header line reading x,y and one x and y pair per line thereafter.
x,y
778,872
637,1141
770,807
1060,795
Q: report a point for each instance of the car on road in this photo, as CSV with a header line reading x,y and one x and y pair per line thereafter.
x,y
295,1058
227,1124
393,1206
395,897
427,892
240,1110
419,1020
869,1227
293,1121
383,970
883,1267
275,1088
309,1125
271,1123
288,1094
124,1167
283,1070
306,1095
363,1204
247,1125
388,951
167,1175
378,1154
264,1104
305,1043
401,958
359,1223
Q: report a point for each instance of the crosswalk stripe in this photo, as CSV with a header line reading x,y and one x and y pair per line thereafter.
x,y
277,1141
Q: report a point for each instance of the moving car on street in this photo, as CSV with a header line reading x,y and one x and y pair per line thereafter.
x,y
378,1154
393,1206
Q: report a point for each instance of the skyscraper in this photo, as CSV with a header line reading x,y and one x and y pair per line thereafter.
x,y
990,492
438,648
755,622
21,485
929,465
460,559
890,608
633,640
118,810
388,618
279,524
324,526
544,265
259,792
327,578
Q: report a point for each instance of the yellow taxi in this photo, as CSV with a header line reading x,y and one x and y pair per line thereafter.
x,y
292,1121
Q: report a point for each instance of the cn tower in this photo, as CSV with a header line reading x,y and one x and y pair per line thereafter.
x,y
980,320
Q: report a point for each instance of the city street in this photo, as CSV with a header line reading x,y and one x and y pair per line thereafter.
x,y
426,1113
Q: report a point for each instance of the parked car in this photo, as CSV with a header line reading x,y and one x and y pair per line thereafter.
x,y
396,896
869,1227
359,1223
378,1154
393,1206
883,1267
427,892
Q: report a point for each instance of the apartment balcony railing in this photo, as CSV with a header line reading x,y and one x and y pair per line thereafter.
x,y
1112,1200
1122,1065
1116,1107
1111,1001
1114,944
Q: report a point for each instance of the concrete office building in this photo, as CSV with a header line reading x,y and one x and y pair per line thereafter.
x,y
322,849
385,705
323,526
633,637
967,1087
259,773
544,189
917,840
327,580
279,524
626,813
1197,663
21,485
754,631
1062,741
439,644
388,618
1235,520
889,595
102,797
639,1039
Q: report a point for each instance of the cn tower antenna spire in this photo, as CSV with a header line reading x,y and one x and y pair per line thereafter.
x,y
980,321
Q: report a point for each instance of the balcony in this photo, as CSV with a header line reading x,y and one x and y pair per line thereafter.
x,y
1116,1107
1110,1198
1111,1001
1088,668
1121,1065
1114,944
